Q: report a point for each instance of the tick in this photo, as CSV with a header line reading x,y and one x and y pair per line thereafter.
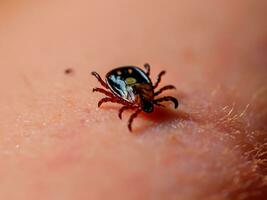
x,y
132,87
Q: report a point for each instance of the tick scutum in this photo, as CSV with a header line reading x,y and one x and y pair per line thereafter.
x,y
124,80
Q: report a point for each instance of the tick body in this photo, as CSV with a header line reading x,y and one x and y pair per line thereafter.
x,y
132,87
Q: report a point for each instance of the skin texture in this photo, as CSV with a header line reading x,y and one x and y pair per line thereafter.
x,y
56,144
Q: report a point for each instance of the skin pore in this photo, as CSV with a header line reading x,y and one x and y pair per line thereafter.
x,y
56,144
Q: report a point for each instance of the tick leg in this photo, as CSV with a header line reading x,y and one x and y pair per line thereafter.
x,y
167,87
123,108
158,104
98,77
112,100
167,98
133,116
109,94
159,79
147,67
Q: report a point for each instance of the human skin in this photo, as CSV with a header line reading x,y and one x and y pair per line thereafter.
x,y
56,144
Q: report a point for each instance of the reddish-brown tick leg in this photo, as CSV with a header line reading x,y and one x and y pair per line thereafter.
x,y
133,116
147,67
123,108
158,104
167,98
167,87
159,79
109,94
98,77
112,100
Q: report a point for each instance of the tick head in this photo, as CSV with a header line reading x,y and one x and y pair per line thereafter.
x,y
147,106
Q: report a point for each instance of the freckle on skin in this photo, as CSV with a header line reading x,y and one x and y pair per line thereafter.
x,y
69,71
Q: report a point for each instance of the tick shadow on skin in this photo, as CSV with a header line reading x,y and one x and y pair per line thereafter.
x,y
160,115
163,115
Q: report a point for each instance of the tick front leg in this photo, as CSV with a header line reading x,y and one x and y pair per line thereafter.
x,y
167,87
133,116
159,79
123,108
109,94
167,98
112,100
98,77
147,67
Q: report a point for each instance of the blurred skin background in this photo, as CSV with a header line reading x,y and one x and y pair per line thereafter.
x,y
56,144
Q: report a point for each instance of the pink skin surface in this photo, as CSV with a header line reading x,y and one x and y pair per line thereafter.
x,y
56,144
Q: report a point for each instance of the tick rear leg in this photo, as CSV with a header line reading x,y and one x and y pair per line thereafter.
x,y
112,100
159,79
98,77
167,98
167,87
147,67
109,94
133,116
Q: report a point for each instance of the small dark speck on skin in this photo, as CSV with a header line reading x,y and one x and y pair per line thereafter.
x,y
69,71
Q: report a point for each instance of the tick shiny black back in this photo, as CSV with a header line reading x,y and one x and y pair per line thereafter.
x,y
124,81
133,88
